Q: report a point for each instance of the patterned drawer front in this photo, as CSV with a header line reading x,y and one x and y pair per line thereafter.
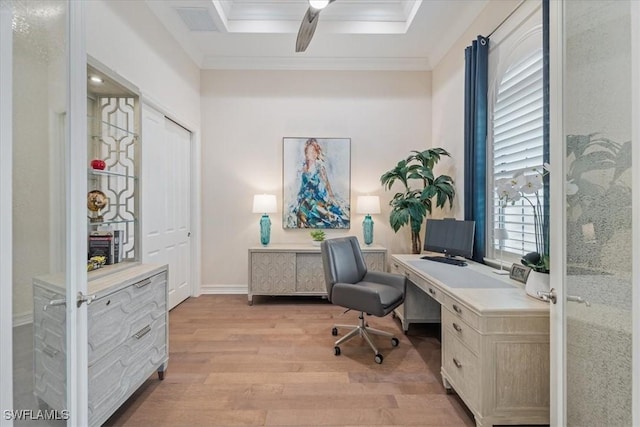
x,y
112,377
310,274
375,261
113,317
49,355
459,328
273,272
462,368
461,312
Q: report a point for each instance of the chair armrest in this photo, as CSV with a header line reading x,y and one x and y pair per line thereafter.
x,y
398,281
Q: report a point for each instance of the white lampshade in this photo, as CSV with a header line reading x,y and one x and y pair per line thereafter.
x,y
500,234
368,205
318,4
264,203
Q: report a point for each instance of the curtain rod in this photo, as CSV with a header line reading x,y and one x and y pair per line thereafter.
x,y
505,19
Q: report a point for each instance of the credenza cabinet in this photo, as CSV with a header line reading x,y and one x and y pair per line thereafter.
x,y
495,340
127,336
281,269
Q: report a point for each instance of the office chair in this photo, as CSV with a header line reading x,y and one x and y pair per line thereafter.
x,y
350,285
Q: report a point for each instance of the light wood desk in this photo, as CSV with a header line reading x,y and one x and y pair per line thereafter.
x,y
495,339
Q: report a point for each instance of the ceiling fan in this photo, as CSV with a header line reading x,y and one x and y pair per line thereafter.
x,y
309,23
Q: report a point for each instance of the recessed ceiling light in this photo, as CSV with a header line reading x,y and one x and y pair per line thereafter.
x,y
96,79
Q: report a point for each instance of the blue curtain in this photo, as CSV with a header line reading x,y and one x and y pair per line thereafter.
x,y
475,141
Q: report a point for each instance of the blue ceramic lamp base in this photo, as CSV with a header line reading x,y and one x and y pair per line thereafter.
x,y
265,229
367,230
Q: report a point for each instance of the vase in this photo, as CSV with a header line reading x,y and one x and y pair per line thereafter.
x,y
537,282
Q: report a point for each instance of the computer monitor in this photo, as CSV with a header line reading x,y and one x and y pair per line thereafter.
x,y
450,237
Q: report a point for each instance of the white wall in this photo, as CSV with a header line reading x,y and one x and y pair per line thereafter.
x,y
126,37
247,113
448,95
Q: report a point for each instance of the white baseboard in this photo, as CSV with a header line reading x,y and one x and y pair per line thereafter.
x,y
22,319
223,289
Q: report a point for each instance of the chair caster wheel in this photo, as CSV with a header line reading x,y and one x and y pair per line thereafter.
x,y
334,332
378,358
336,351
394,342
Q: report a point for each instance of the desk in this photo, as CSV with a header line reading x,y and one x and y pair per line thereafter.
x,y
495,339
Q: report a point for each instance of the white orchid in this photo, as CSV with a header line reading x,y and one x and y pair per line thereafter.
x,y
525,184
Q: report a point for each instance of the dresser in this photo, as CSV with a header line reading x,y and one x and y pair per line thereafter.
x,y
495,338
127,335
296,269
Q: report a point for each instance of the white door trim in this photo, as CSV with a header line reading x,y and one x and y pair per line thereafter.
x,y
76,271
635,173
557,213
6,211
195,214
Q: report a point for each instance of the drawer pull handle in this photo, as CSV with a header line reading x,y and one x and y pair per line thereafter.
x,y
458,364
431,291
457,309
142,332
143,283
457,327
55,302
51,352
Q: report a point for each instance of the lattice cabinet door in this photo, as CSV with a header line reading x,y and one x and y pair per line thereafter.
x,y
273,272
310,274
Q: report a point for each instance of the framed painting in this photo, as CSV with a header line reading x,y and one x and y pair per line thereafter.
x,y
316,183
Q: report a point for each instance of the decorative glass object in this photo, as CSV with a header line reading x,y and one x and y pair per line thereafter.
x,y
367,230
265,229
265,204
368,205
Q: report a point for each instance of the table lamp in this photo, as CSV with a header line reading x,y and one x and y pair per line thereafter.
x,y
501,234
368,205
265,204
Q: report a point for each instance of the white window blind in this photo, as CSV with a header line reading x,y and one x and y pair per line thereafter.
x,y
517,136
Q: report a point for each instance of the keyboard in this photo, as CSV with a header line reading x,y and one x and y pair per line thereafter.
x,y
445,260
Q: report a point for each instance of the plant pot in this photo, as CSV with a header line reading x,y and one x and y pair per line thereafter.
x,y
316,242
537,282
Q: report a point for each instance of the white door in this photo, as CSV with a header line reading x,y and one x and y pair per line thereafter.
x,y
166,199
43,222
594,183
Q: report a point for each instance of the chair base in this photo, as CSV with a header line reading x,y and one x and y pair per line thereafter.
x,y
363,330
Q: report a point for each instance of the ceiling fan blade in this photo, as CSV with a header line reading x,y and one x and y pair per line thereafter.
x,y
307,28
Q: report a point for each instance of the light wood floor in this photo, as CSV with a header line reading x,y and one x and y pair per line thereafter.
x,y
272,364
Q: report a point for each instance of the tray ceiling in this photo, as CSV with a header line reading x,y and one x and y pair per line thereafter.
x,y
351,34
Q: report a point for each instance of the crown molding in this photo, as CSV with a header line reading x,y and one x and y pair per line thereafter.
x,y
322,64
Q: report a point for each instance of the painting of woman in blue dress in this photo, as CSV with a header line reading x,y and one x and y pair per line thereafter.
x,y
316,203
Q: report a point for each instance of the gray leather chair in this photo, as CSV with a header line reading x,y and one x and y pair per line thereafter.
x,y
350,285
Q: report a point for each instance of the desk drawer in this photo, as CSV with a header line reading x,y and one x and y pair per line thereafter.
x,y
428,288
462,312
461,329
462,368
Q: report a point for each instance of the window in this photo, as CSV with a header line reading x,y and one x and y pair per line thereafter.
x,y
516,126
517,144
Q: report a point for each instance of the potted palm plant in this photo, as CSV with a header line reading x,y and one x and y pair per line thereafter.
x,y
412,205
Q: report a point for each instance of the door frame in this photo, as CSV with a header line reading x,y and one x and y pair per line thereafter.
x,y
635,173
195,174
557,214
6,215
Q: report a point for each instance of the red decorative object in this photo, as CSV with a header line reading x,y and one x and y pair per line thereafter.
x,y
98,164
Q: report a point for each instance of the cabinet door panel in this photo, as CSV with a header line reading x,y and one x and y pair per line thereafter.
x,y
273,273
375,261
310,274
